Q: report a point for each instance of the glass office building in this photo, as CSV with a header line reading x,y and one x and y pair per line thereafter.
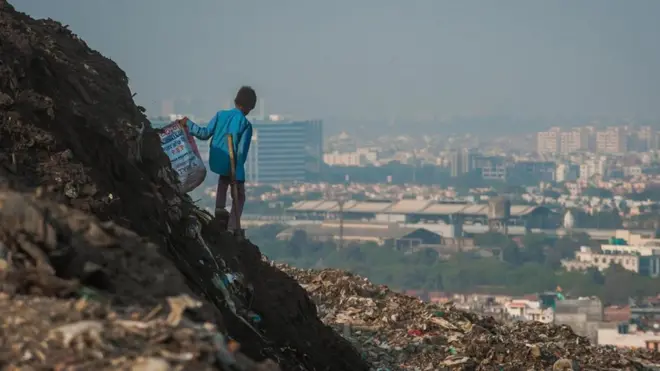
x,y
285,151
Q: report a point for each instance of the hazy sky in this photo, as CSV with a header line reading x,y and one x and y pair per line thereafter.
x,y
380,58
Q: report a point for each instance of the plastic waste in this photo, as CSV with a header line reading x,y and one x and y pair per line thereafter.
x,y
184,155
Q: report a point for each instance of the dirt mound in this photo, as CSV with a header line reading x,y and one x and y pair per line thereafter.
x,y
402,333
69,127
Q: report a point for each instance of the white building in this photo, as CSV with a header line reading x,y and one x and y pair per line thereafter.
x,y
644,260
361,157
593,167
342,158
629,338
528,310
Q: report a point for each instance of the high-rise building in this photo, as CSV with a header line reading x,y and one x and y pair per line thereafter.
x,y
462,161
612,140
556,141
570,141
548,141
645,139
285,151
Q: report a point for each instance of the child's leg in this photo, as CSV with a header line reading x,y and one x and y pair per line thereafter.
x,y
221,195
237,211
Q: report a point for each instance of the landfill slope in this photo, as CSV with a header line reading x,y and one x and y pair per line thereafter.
x,y
399,332
61,297
71,134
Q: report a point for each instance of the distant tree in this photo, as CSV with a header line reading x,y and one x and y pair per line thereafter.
x,y
423,257
551,193
534,245
598,192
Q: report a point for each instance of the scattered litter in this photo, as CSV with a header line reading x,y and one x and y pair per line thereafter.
x,y
427,336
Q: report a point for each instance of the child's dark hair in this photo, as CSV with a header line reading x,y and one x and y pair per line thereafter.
x,y
246,98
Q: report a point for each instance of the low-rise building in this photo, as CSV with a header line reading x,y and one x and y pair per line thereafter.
x,y
644,260
628,336
586,258
528,310
584,315
384,234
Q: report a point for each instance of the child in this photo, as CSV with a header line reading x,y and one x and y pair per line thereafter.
x,y
223,123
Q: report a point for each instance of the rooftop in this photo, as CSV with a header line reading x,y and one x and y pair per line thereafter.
x,y
419,207
377,230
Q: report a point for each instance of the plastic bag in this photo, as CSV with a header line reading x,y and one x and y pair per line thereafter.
x,y
184,155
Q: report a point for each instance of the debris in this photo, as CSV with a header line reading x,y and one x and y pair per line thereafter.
x,y
151,364
104,240
92,209
73,330
178,305
426,336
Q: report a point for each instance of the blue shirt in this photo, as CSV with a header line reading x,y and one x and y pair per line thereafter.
x,y
227,122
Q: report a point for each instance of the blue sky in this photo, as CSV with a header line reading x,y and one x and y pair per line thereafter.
x,y
383,58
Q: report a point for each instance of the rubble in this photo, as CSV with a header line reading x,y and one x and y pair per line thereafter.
x,y
105,265
40,332
90,207
398,332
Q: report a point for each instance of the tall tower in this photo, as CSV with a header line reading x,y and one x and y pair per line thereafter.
x,y
499,213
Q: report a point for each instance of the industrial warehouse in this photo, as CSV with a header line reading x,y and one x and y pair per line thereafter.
x,y
414,224
499,214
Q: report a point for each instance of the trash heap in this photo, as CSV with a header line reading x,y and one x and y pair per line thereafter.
x,y
90,209
70,319
49,333
398,332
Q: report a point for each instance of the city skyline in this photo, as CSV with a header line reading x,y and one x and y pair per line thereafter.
x,y
550,61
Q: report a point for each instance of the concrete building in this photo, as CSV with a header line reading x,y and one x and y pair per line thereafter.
x,y
634,238
548,142
627,336
427,211
646,139
570,142
644,260
462,161
337,158
360,157
540,171
383,234
491,167
593,167
612,140
556,141
583,315
566,173
285,151
528,310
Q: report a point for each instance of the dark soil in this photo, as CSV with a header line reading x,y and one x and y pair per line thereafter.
x,y
70,132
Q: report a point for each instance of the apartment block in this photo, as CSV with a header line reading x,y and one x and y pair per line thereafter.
x,y
558,141
612,140
548,142
593,167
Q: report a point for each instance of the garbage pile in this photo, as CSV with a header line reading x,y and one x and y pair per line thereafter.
x,y
89,336
89,204
397,332
40,238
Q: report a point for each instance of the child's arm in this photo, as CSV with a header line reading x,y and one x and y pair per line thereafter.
x,y
203,133
244,144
